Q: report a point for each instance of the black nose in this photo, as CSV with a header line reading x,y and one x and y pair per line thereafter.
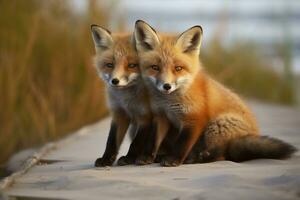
x,y
167,86
115,81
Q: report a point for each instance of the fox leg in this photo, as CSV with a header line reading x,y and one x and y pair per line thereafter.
x,y
137,144
146,157
159,131
187,138
166,147
163,125
118,128
160,127
160,142
193,157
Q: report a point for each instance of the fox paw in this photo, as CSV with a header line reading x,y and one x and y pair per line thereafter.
x,y
102,162
144,160
170,162
190,160
125,160
159,158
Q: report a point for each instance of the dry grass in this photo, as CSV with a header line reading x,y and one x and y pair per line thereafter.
x,y
48,84
243,68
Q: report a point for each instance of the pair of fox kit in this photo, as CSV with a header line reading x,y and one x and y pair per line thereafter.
x,y
158,91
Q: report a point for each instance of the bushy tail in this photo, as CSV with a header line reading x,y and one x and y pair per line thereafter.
x,y
255,147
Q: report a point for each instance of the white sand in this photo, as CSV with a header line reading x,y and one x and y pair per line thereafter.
x,y
76,178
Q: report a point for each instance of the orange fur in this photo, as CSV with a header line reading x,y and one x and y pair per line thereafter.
x,y
199,99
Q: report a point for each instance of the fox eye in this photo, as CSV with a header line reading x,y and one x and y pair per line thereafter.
x,y
132,65
178,68
155,67
109,65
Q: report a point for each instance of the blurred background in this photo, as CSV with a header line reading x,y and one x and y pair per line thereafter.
x,y
48,84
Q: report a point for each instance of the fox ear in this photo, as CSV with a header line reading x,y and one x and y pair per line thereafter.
x,y
190,40
145,36
102,37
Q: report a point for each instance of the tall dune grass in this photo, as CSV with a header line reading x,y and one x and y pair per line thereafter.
x,y
243,68
47,82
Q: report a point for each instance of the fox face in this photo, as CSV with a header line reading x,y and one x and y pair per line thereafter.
x,y
116,59
167,62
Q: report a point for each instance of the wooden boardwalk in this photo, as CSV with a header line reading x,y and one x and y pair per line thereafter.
x,y
65,170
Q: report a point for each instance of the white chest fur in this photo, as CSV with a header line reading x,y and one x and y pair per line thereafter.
x,y
131,100
170,105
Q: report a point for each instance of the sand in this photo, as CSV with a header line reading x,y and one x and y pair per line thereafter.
x,y
66,170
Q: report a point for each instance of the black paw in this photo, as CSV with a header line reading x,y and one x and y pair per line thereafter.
x,y
102,162
170,162
144,160
125,160
159,158
190,160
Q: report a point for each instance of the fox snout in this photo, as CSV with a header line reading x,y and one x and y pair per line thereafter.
x,y
163,86
122,81
166,87
115,81
118,81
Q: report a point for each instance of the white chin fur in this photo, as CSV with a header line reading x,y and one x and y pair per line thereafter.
x,y
166,91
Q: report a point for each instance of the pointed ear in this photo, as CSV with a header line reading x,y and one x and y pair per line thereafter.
x,y
190,40
145,36
102,37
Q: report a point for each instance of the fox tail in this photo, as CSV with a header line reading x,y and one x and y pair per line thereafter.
x,y
253,147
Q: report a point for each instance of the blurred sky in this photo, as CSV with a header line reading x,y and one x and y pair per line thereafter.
x,y
265,22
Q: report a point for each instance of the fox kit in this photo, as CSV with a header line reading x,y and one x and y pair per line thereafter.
x,y
183,95
117,64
